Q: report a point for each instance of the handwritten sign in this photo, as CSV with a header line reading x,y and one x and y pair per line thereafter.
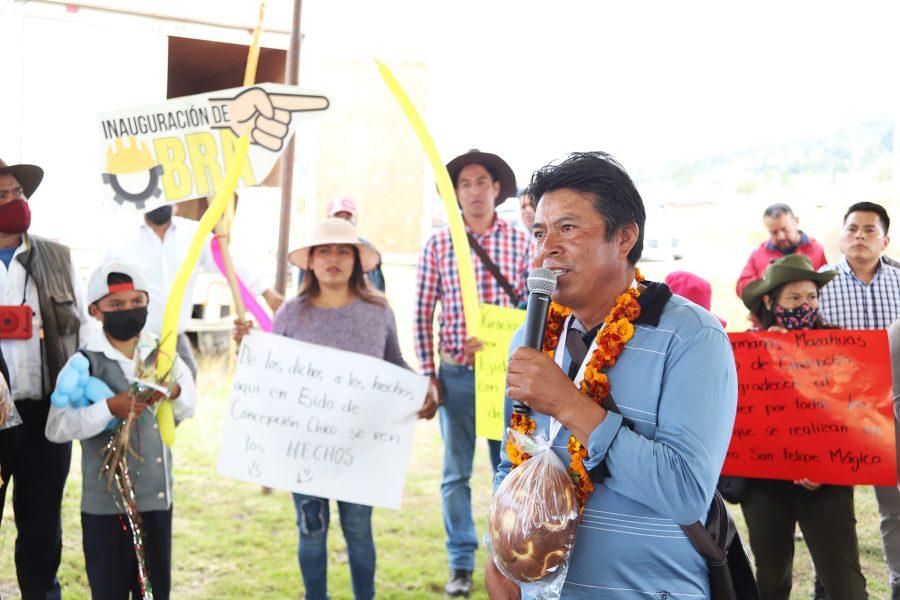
x,y
181,148
320,421
498,324
815,405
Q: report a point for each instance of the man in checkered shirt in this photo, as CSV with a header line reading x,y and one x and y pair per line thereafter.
x,y
866,295
482,181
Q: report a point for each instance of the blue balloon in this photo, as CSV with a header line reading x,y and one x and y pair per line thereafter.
x,y
80,363
67,380
96,390
77,399
59,400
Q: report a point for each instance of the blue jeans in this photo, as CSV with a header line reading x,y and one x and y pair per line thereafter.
x,y
313,516
457,417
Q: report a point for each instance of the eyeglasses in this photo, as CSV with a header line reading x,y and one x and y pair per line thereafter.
x,y
12,193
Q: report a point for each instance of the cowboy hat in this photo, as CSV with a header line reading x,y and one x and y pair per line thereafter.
x,y
29,176
492,163
787,269
335,230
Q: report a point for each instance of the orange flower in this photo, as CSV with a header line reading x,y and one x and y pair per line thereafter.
x,y
621,328
574,445
515,456
609,346
522,423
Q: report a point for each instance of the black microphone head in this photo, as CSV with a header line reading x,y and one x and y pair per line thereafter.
x,y
542,281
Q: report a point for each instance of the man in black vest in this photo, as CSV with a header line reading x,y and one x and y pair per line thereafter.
x,y
41,322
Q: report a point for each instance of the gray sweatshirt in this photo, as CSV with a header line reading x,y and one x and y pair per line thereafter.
x,y
360,327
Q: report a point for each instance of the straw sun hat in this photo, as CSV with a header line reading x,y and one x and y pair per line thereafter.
x,y
335,230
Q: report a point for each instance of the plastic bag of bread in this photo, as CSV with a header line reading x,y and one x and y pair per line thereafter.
x,y
532,522
9,416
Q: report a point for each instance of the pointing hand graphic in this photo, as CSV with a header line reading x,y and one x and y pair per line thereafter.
x,y
267,117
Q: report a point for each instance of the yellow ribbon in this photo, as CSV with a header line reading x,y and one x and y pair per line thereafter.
x,y
467,285
164,414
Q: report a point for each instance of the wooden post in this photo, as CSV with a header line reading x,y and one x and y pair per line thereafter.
x,y
287,161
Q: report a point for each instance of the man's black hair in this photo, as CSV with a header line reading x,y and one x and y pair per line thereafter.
x,y
491,171
118,278
878,209
115,278
601,176
776,210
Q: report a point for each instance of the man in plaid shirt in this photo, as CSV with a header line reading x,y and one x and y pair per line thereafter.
x,y
866,295
482,181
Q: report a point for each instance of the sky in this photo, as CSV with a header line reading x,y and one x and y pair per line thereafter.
x,y
651,82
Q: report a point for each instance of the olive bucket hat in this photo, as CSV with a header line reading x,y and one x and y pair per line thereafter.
x,y
787,269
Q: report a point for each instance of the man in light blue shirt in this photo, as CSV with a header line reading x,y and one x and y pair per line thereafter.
x,y
655,459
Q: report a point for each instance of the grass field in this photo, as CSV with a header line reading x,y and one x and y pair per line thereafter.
x,y
231,541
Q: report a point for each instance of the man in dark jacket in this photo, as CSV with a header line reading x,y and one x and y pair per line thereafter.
x,y
42,319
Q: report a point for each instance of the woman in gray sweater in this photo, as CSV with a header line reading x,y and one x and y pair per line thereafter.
x,y
337,308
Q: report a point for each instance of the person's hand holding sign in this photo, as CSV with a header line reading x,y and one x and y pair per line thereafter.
x,y
430,406
266,117
807,485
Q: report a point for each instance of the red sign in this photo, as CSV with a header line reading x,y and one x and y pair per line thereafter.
x,y
814,405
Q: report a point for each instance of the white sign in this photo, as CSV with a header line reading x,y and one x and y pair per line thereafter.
x,y
181,148
320,421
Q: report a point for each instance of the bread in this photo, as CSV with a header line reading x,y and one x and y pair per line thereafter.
x,y
533,520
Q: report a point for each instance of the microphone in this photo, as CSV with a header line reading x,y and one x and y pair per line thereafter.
x,y
541,283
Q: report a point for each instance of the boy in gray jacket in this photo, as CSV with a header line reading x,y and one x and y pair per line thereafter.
x,y
117,297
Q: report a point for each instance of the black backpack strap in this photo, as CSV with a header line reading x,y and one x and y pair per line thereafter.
x,y
711,541
493,269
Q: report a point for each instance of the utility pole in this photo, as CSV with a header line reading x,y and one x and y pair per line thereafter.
x,y
287,161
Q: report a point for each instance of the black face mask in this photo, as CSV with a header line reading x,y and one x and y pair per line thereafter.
x,y
124,325
160,216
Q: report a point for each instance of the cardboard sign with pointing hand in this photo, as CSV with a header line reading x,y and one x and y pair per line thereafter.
x,y
266,116
180,149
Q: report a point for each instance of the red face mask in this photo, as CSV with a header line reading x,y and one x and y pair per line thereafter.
x,y
15,216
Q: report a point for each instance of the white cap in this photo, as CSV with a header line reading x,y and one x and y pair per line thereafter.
x,y
98,285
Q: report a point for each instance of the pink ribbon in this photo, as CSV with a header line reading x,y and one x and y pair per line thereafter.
x,y
250,303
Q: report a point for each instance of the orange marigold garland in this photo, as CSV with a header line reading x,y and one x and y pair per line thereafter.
x,y
617,330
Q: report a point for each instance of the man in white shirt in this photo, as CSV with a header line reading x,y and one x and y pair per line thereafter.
x,y
42,322
157,250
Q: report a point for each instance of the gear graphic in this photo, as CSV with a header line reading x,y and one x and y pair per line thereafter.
x,y
139,199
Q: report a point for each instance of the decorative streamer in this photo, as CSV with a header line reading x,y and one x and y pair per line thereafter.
x,y
115,462
467,285
250,303
133,515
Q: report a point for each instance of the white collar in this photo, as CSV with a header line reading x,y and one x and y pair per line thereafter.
x,y
172,226
100,343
